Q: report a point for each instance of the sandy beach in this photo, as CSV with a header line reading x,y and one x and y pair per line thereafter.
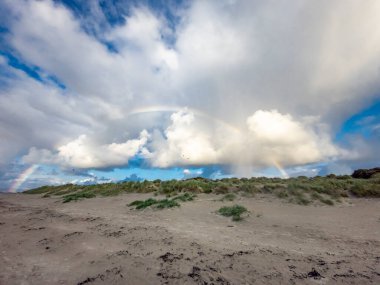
x,y
102,241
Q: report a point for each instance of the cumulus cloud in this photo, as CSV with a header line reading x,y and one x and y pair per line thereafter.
x,y
269,138
183,144
264,82
144,30
84,153
91,179
302,58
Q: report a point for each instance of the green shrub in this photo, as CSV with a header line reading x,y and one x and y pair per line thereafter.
x,y
162,204
143,204
184,197
166,203
234,211
365,190
78,196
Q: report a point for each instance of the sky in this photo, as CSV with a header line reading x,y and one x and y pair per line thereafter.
x,y
114,90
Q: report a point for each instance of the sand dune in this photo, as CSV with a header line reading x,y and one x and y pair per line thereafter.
x,y
102,241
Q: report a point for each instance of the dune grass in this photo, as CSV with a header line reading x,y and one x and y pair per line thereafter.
x,y
143,204
299,190
184,197
163,203
78,196
158,204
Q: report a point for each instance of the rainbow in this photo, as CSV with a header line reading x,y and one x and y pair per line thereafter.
x,y
281,170
164,108
22,178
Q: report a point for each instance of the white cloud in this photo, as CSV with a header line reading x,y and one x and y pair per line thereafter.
x,y
84,153
266,82
274,128
304,58
144,30
184,144
269,138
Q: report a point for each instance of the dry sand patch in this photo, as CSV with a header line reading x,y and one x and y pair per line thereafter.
x,y
102,241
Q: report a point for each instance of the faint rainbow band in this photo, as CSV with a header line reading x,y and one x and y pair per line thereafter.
x,y
22,178
281,170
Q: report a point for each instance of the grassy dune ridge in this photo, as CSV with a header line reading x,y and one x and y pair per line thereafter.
x,y
301,190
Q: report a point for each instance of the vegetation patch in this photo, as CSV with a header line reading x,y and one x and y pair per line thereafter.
x,y
166,203
143,204
162,204
234,211
78,196
300,190
365,190
184,197
322,199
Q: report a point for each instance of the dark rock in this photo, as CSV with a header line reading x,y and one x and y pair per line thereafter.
x,y
314,274
365,173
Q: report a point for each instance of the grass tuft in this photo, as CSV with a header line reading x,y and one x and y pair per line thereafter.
x,y
78,196
234,211
166,203
162,204
185,197
143,204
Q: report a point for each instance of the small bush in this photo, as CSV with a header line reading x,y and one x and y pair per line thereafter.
x,y
166,203
184,197
234,212
162,204
78,196
143,204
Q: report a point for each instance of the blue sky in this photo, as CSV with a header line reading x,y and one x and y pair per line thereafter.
x,y
98,91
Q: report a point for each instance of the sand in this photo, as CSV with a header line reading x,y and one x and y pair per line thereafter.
x,y
102,241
